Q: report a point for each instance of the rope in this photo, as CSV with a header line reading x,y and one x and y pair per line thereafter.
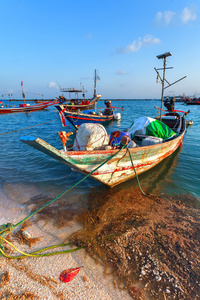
x,y
27,127
66,191
34,254
136,173
7,228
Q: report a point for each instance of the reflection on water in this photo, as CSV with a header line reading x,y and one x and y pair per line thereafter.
x,y
154,180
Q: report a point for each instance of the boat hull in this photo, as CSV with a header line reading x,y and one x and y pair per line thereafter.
x,y
76,119
31,108
119,167
90,105
193,103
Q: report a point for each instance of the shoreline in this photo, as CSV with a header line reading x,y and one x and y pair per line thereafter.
x,y
38,278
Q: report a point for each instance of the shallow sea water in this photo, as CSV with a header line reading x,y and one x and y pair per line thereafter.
x,y
26,172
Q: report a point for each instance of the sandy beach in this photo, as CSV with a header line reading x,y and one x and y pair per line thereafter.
x,y
39,278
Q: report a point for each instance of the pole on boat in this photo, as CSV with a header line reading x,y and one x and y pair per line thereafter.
x,y
23,94
96,77
95,83
163,56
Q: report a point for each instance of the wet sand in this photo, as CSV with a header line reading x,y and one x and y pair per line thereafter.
x,y
39,278
139,247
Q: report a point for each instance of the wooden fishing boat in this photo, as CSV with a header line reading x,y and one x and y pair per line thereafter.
x,y
79,104
135,152
119,167
76,103
89,116
26,107
194,101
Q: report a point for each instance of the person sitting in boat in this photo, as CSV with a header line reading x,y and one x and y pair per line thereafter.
x,y
169,104
108,110
107,103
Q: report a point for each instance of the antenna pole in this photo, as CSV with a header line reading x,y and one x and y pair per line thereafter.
x,y
163,83
164,57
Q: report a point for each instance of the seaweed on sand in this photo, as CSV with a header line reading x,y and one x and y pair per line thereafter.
x,y
151,244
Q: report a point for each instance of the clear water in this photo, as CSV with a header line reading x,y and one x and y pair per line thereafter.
x,y
26,172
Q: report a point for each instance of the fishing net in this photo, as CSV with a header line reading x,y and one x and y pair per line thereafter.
x,y
151,244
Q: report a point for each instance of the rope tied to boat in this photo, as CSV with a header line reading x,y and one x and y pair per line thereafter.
x,y
27,127
7,228
124,142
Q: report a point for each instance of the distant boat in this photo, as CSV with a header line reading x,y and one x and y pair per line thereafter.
x,y
25,107
89,116
193,101
80,103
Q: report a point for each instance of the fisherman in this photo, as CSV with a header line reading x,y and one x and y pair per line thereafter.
x,y
107,103
108,110
169,104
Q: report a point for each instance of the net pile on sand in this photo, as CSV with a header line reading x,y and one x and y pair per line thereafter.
x,y
151,244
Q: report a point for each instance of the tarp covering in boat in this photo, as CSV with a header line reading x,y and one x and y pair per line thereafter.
x,y
151,127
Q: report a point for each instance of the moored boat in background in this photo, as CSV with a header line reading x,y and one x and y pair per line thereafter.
x,y
193,101
26,107
89,116
80,103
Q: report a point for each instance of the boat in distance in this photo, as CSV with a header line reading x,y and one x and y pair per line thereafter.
x,y
79,104
26,107
76,118
193,101
119,167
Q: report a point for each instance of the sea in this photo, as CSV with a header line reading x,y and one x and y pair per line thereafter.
x,y
25,172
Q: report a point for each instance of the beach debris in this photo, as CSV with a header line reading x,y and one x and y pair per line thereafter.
x,y
5,278
11,296
24,237
69,274
85,279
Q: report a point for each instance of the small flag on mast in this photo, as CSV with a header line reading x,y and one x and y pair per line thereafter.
x,y
21,83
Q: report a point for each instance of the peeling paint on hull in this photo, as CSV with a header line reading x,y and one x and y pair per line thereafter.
x,y
119,168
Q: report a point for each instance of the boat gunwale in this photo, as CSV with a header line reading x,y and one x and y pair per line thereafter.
x,y
113,151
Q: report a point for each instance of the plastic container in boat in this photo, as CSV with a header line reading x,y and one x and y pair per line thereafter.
x,y
151,140
116,138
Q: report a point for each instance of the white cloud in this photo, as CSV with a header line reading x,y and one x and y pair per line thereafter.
x,y
53,85
167,17
188,14
137,44
121,72
159,16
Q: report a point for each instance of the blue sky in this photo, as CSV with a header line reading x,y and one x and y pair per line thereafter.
x,y
60,41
